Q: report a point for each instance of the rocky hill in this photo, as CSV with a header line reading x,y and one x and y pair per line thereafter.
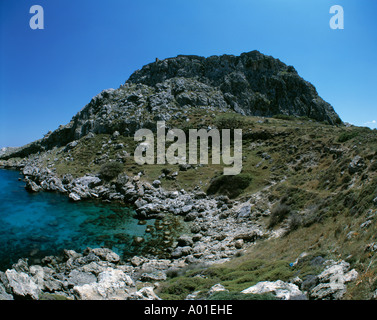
x,y
250,84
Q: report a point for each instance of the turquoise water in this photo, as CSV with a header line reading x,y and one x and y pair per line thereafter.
x,y
36,225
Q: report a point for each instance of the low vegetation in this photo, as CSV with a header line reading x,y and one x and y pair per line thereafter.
x,y
110,170
231,186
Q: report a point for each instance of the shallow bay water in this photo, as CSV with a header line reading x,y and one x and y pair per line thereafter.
x,y
35,225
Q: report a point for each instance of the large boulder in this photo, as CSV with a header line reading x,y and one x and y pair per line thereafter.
x,y
22,285
3,294
332,281
113,284
357,164
282,290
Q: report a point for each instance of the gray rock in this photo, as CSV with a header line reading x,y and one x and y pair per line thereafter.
x,y
138,240
193,296
309,282
185,240
137,261
122,180
152,277
238,244
22,285
70,146
112,284
30,170
180,252
68,254
191,216
21,266
251,235
74,196
139,203
184,167
186,209
4,295
244,212
357,164
156,183
31,186
217,288
145,293
87,181
366,224
87,258
105,254
78,278
282,290
332,281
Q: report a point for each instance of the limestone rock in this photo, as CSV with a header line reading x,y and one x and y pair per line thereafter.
x,y
357,164
31,186
216,288
145,293
332,281
74,196
112,285
22,285
282,290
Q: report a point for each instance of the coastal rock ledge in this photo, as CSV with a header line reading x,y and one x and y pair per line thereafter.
x,y
96,274
100,274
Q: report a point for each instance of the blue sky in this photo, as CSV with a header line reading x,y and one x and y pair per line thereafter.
x,y
47,76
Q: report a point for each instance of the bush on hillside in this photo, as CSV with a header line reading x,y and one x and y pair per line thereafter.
x,y
345,136
225,295
278,214
229,121
110,170
231,186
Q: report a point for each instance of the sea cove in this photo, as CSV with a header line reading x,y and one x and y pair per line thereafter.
x,y
33,225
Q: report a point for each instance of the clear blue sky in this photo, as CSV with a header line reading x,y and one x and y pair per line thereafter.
x,y
47,76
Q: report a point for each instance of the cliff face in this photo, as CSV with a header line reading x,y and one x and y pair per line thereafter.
x,y
250,84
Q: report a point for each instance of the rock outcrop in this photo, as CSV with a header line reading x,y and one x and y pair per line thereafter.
x,y
332,281
280,289
95,274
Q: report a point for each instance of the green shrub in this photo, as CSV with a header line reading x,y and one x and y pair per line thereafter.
x,y
278,214
345,136
232,186
225,295
179,288
373,166
229,121
294,222
110,170
285,117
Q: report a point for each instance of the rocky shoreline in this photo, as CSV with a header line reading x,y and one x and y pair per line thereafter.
x,y
96,274
219,228
100,274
